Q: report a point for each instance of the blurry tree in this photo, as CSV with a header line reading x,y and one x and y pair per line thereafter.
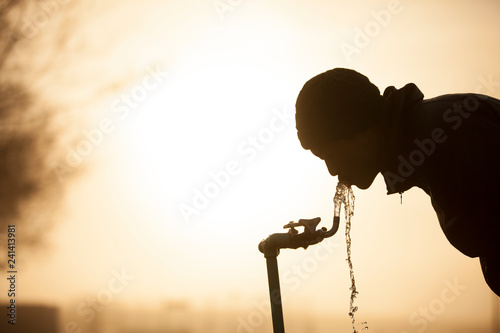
x,y
27,187
59,61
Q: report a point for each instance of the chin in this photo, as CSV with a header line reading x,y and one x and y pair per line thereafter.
x,y
363,184
362,187
361,181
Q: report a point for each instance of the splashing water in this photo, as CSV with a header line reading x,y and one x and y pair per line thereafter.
x,y
345,196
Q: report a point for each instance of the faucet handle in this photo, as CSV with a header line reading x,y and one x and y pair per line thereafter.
x,y
308,224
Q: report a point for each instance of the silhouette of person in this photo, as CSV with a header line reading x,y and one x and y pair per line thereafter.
x,y
449,146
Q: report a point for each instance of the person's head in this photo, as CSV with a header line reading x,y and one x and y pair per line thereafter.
x,y
338,119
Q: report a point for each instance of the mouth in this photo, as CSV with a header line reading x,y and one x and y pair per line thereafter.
x,y
345,181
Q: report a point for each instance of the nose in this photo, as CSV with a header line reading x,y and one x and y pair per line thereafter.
x,y
331,168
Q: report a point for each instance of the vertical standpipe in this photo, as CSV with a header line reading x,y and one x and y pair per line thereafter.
x,y
275,294
271,246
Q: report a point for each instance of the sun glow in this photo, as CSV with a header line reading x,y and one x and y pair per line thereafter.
x,y
213,142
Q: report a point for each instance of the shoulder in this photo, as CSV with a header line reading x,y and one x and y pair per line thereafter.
x,y
457,115
464,131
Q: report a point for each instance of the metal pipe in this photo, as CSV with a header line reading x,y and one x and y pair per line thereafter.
x,y
275,294
334,228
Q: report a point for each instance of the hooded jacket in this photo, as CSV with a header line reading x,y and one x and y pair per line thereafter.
x,y
449,146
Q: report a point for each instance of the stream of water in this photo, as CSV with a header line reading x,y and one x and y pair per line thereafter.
x,y
345,196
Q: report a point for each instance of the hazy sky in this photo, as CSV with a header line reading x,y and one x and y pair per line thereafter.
x,y
178,119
